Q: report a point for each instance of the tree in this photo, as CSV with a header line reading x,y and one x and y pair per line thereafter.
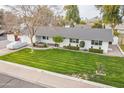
x,y
58,39
72,14
10,22
57,9
97,24
1,18
33,17
82,22
58,21
100,7
116,33
122,9
111,14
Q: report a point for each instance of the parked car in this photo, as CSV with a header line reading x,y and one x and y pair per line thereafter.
x,y
16,45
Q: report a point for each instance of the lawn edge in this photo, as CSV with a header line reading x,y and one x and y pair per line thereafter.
x,y
56,74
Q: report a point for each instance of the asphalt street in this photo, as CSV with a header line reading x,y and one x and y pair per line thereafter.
x,y
7,81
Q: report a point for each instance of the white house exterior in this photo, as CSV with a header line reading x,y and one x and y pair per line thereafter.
x,y
95,38
66,42
10,37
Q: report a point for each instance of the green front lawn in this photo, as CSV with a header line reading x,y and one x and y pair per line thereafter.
x,y
122,47
70,62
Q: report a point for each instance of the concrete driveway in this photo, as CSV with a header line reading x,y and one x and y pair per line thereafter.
x,y
3,49
7,81
3,41
114,51
3,44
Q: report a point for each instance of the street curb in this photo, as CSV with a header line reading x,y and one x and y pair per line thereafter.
x,y
57,74
15,76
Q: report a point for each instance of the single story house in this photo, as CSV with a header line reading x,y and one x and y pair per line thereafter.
x,y
95,38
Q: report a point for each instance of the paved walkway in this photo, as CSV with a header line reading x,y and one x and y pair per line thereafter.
x,y
40,77
115,51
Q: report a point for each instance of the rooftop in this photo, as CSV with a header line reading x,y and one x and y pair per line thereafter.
x,y
77,32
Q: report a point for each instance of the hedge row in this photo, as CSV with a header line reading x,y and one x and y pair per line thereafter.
x,y
71,47
96,50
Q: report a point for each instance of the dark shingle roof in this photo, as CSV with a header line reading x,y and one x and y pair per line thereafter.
x,y
77,32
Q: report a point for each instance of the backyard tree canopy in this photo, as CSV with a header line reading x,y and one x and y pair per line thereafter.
x,y
72,14
111,14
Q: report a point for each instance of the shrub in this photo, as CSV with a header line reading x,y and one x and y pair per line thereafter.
x,y
41,45
45,45
116,33
82,44
82,22
71,47
97,24
95,50
57,39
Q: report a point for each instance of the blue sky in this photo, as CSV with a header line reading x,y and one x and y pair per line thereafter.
x,y
88,11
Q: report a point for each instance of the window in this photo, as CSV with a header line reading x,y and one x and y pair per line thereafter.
x,y
96,42
74,40
70,40
100,42
45,37
38,38
92,42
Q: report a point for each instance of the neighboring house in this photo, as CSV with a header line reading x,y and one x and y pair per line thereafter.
x,y
120,28
96,38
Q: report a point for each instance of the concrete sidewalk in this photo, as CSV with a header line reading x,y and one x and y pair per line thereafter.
x,y
7,81
50,79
